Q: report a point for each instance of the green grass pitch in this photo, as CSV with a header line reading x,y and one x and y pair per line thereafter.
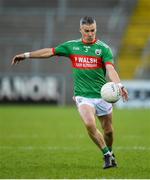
x,y
51,142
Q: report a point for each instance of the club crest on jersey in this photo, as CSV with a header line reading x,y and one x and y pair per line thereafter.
x,y
98,51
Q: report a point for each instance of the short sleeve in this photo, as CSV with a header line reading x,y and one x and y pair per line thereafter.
x,y
62,50
108,56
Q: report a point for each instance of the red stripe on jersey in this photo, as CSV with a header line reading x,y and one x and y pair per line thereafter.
x,y
109,63
53,51
86,62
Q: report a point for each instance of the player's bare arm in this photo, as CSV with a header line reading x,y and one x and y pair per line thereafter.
x,y
42,53
114,77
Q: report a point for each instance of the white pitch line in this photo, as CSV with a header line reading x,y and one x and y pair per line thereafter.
x,y
139,148
52,148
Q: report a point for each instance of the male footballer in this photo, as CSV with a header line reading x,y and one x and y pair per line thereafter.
x,y
91,59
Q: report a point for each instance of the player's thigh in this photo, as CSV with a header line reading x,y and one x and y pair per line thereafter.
x,y
87,114
106,122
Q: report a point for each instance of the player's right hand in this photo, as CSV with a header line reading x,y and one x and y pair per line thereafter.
x,y
124,94
17,59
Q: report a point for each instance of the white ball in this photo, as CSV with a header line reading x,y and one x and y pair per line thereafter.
x,y
110,92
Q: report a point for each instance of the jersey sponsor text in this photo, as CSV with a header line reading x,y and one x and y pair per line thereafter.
x,y
86,62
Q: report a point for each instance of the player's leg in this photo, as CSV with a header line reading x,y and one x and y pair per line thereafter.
x,y
88,116
106,122
104,114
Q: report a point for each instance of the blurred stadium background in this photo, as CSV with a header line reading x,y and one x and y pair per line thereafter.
x,y
33,142
29,25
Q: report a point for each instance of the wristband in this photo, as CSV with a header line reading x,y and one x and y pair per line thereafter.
x,y
120,85
27,55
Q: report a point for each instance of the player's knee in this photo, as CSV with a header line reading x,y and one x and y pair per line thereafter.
x,y
91,128
89,125
108,129
109,133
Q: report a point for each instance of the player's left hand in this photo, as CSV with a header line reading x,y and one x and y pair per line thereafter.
x,y
124,93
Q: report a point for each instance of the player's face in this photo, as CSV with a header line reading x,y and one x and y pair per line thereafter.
x,y
88,32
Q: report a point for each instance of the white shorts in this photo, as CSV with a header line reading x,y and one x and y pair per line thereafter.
x,y
102,107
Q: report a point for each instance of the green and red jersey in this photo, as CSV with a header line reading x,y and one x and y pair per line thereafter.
x,y
88,63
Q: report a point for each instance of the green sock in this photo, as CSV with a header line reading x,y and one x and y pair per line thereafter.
x,y
105,150
110,149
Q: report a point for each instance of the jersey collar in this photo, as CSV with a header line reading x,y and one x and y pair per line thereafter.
x,y
89,43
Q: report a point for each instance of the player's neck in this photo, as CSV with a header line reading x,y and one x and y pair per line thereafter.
x,y
91,42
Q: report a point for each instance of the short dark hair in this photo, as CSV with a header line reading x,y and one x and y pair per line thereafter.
x,y
87,20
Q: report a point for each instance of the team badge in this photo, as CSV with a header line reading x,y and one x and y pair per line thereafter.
x,y
98,51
